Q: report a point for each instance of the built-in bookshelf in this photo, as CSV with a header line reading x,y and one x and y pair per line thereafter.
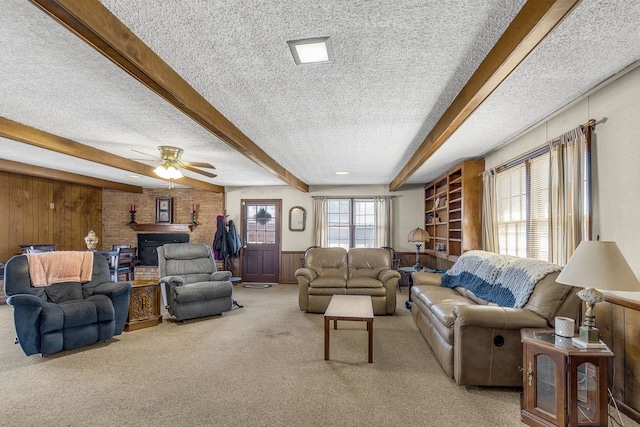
x,y
453,211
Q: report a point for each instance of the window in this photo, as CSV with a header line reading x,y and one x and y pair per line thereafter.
x,y
523,208
351,223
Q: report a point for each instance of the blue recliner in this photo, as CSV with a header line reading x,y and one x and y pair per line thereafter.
x,y
63,316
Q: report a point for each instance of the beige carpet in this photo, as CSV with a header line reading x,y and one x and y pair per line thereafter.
x,y
261,365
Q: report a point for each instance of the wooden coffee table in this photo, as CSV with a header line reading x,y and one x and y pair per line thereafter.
x,y
356,308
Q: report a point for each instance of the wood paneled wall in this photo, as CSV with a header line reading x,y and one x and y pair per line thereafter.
x,y
26,215
619,323
289,263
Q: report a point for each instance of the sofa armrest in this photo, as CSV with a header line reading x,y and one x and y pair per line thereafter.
x,y
220,276
488,316
424,278
307,274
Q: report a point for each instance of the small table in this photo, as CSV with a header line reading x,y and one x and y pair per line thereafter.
x,y
563,384
407,271
349,307
144,305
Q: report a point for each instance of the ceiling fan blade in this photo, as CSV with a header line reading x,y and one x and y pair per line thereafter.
x,y
201,172
200,165
140,152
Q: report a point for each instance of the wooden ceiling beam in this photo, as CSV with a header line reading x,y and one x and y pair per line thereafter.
x,y
31,170
38,138
532,24
102,30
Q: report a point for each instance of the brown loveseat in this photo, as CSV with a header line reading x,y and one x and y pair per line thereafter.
x,y
477,339
334,271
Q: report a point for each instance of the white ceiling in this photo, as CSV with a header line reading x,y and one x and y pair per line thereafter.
x,y
398,65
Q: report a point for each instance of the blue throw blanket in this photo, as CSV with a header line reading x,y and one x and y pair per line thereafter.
x,y
505,280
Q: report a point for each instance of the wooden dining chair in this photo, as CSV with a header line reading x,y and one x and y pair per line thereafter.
x,y
127,262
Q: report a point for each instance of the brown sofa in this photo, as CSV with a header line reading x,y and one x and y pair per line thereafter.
x,y
477,341
334,271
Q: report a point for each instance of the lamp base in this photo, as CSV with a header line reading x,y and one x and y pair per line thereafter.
x,y
417,267
589,334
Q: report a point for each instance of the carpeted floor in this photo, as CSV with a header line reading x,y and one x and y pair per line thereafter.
x,y
261,365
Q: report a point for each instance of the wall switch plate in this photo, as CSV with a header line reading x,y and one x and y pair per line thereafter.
x,y
52,205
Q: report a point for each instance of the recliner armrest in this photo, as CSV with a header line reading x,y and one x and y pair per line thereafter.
x,y
307,273
388,274
488,316
25,300
173,280
220,276
112,289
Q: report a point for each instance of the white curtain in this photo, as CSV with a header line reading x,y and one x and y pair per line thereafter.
x,y
568,195
383,221
320,230
489,212
383,226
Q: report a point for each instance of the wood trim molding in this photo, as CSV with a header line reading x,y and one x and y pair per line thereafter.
x,y
534,22
98,27
173,228
30,170
38,138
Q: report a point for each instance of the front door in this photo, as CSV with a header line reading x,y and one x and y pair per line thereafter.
x,y
261,238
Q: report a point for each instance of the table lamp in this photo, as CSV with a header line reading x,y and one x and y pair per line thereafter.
x,y
417,236
593,266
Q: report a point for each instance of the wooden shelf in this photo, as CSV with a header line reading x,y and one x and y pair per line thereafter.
x,y
462,229
163,227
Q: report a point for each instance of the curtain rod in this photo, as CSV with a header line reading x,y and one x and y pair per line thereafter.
x,y
591,123
537,151
354,197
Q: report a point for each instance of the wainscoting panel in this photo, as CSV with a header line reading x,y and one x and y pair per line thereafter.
x,y
290,262
619,323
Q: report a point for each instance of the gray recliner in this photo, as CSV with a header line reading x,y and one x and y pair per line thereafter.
x,y
66,315
190,282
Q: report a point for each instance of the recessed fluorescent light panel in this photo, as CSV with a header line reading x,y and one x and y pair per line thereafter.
x,y
311,51
342,173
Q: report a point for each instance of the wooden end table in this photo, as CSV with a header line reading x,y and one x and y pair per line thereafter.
x,y
144,305
352,308
563,384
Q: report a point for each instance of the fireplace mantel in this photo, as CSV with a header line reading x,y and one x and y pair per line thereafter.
x,y
164,228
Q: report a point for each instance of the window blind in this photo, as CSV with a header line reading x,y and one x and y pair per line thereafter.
x,y
511,200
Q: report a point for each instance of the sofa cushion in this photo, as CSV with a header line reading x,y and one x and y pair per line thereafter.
x,y
548,296
368,262
328,262
364,282
65,291
79,313
329,282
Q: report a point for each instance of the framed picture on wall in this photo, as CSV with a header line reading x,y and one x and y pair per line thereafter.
x,y
164,210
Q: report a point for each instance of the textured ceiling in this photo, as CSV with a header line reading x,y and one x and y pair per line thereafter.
x,y
398,65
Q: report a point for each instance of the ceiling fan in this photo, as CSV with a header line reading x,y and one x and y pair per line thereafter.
x,y
170,163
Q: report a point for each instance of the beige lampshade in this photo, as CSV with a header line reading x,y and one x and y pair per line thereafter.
x,y
418,235
599,265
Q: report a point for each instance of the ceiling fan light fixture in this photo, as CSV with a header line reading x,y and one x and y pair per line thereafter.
x,y
311,51
168,172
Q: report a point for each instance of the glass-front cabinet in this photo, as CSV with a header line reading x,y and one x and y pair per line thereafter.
x,y
563,384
